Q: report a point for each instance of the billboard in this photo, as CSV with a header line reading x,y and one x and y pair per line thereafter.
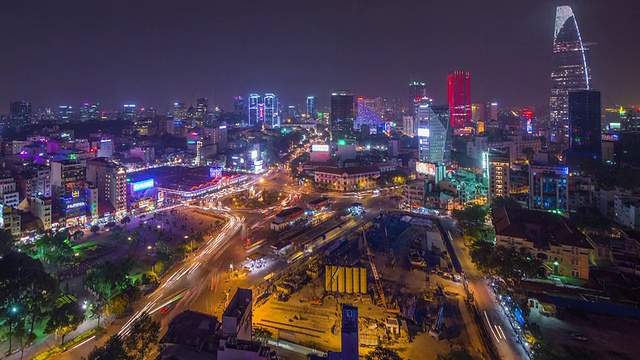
x,y
319,147
423,132
142,185
425,168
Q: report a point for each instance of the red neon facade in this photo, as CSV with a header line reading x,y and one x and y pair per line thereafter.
x,y
459,98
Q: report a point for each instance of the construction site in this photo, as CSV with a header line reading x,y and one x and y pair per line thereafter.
x,y
394,269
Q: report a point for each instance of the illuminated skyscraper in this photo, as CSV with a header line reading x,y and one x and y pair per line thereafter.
x,y
179,111
570,71
311,106
254,109
370,112
585,122
459,98
271,114
417,90
434,134
341,119
65,113
239,107
202,107
20,114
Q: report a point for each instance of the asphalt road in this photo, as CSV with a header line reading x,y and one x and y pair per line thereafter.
x,y
501,333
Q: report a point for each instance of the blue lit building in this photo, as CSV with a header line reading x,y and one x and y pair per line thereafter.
x,y
68,184
585,122
311,106
20,114
549,188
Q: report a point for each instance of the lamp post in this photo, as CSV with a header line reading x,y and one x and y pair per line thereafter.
x,y
12,312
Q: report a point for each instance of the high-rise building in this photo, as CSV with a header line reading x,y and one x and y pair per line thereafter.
x,y
256,111
570,71
459,98
271,112
111,180
585,122
342,115
129,112
68,185
179,111
498,171
239,107
20,114
94,112
548,187
491,111
311,107
202,108
526,125
417,90
477,112
349,333
370,112
65,113
434,134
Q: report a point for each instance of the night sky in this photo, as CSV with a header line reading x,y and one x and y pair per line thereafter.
x,y
156,52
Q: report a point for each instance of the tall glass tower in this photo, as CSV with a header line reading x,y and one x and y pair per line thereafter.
x,y
570,71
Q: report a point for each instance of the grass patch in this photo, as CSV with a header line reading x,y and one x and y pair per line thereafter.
x,y
69,344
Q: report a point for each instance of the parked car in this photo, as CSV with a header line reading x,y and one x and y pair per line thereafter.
x,y
579,337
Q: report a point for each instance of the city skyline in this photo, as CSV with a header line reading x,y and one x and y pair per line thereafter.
x,y
125,59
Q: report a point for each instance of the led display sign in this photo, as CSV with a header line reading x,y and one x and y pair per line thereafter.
x,y
142,185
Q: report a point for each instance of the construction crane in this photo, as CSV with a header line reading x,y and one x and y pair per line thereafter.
x,y
376,277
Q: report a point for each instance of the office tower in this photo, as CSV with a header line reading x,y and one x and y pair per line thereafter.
x,y
341,118
255,114
349,333
65,113
570,71
417,90
239,107
179,111
105,148
94,112
68,185
20,114
459,98
271,112
202,107
491,111
129,112
111,180
433,132
84,112
477,112
548,188
311,107
585,122
370,112
498,170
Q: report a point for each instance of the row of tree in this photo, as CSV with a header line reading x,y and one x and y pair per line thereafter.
x,y
139,342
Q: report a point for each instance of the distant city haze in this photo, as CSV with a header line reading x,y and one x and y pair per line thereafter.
x,y
154,53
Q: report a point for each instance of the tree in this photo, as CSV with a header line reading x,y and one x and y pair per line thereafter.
x,y
164,252
125,220
28,291
113,349
64,319
471,219
261,334
382,353
55,248
507,202
507,262
95,229
457,354
7,242
118,305
142,336
108,279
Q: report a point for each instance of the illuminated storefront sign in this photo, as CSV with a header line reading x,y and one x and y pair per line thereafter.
x,y
320,148
422,132
142,185
425,168
160,196
76,205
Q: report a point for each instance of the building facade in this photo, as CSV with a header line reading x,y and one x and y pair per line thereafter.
x,y
549,188
585,122
459,98
570,71
342,115
348,179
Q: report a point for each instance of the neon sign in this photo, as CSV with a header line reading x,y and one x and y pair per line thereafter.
x,y
142,185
